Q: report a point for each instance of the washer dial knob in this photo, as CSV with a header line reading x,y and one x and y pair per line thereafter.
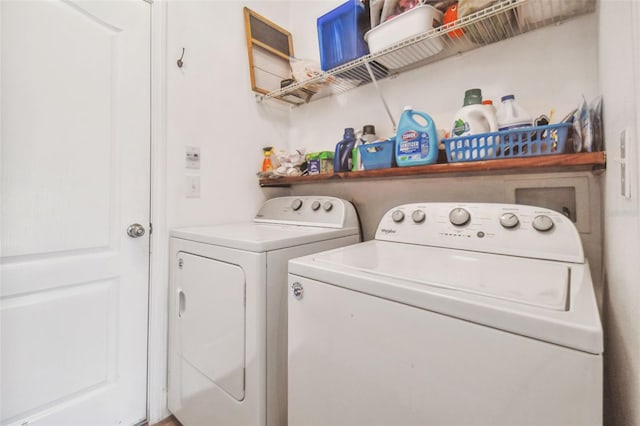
x,y
296,204
315,205
509,220
418,216
459,216
397,216
327,206
542,223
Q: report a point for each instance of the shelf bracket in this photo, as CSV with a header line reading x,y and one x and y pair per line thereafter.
x,y
384,102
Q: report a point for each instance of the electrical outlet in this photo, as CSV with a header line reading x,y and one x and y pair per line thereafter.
x,y
193,187
193,157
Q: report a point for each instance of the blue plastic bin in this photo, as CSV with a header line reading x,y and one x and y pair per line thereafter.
x,y
341,34
377,155
520,142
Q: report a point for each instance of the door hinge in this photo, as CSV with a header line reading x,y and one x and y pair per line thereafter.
x,y
150,228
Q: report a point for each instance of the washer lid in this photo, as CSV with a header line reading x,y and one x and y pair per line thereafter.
x,y
546,300
260,237
520,280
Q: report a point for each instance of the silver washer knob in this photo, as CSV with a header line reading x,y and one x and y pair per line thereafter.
x,y
315,205
297,290
296,204
327,206
459,216
418,216
397,216
509,220
542,223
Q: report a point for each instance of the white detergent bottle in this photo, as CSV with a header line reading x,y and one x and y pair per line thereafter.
x,y
511,115
474,117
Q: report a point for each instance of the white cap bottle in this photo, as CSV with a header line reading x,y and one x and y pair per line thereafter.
x,y
510,115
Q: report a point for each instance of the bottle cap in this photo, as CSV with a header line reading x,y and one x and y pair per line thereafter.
x,y
369,129
507,97
487,102
472,97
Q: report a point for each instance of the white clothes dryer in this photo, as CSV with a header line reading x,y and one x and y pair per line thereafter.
x,y
456,314
228,313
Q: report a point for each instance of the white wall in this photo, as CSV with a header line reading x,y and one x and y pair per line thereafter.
x,y
210,105
619,75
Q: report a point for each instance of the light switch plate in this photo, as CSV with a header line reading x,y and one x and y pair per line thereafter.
x,y
193,187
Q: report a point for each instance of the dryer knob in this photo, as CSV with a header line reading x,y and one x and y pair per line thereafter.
x,y
542,223
418,216
459,216
397,216
315,205
296,204
327,206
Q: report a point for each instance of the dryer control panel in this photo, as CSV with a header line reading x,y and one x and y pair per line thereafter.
x,y
509,229
329,212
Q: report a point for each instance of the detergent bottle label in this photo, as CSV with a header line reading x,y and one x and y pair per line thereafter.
x,y
413,145
460,127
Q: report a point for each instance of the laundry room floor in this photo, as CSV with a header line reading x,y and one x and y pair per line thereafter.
x,y
169,421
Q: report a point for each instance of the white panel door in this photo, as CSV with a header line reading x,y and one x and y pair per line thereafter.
x,y
75,120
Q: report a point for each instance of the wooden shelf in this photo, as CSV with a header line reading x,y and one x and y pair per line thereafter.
x,y
592,161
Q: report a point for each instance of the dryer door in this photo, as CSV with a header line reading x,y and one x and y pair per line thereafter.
x,y
211,320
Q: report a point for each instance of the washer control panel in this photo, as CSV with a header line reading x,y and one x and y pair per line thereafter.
x,y
319,211
509,229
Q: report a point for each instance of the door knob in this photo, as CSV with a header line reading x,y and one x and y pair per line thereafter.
x,y
135,230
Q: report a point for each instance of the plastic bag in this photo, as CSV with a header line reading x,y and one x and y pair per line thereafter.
x,y
577,131
595,111
393,8
291,164
467,7
305,69
587,127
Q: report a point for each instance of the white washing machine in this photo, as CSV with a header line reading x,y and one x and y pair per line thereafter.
x,y
456,314
228,312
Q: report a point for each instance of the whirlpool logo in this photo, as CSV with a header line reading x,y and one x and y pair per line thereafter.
x,y
388,231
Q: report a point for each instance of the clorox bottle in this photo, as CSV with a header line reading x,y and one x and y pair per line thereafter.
x,y
416,140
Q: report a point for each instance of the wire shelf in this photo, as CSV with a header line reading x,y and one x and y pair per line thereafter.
x,y
503,20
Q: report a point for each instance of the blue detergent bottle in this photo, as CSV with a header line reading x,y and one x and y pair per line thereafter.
x,y
416,143
342,157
